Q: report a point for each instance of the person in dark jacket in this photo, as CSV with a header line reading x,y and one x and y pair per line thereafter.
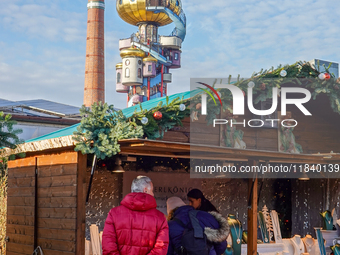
x,y
199,202
216,228
136,226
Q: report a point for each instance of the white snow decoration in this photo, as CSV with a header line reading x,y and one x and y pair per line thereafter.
x,y
276,227
269,223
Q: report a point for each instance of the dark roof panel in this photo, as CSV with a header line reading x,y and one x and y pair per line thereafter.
x,y
51,106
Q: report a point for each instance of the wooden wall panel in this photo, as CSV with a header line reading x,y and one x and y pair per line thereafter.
x,y
57,245
20,229
61,158
57,204
58,170
21,163
18,248
20,206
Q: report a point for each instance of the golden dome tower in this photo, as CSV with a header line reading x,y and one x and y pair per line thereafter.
x,y
164,51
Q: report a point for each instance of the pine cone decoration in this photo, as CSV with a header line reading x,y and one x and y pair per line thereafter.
x,y
263,86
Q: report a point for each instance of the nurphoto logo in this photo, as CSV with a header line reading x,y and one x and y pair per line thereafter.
x,y
238,104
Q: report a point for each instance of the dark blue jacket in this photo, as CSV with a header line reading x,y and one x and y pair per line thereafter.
x,y
217,234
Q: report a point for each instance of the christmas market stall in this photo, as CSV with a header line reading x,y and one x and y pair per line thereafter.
x,y
70,179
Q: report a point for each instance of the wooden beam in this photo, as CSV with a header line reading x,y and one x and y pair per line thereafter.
x,y
252,215
58,158
144,146
81,211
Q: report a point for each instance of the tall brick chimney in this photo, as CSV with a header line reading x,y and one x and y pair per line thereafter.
x,y
94,89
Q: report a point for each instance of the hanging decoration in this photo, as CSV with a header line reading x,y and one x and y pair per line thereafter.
x,y
283,73
263,227
327,76
157,115
251,84
321,76
182,107
144,120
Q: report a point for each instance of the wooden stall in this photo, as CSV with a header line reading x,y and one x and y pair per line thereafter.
x,y
46,190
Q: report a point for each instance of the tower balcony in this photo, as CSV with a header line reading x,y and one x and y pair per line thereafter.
x,y
173,42
125,43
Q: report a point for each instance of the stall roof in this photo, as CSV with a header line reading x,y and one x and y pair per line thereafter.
x,y
128,112
63,138
144,147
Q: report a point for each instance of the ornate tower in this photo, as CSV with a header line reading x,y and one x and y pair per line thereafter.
x,y
147,57
94,89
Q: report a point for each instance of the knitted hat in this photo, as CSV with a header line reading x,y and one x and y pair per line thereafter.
x,y
172,203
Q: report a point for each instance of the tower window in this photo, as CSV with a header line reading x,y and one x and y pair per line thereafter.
x,y
176,56
149,68
120,1
118,77
127,72
139,73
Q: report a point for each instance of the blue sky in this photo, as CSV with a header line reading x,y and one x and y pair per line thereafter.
x,y
43,43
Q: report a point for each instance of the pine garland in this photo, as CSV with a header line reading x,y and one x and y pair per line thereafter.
x,y
102,127
301,74
172,116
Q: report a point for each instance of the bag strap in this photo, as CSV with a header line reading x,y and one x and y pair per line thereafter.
x,y
198,230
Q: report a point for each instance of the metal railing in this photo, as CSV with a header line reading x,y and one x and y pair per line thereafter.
x,y
183,17
152,45
163,3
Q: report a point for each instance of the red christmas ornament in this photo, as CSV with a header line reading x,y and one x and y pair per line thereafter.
x,y
157,115
327,76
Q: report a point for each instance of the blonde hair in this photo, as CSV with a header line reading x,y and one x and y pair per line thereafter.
x,y
171,214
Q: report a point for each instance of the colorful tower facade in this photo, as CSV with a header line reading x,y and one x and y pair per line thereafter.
x,y
94,88
147,57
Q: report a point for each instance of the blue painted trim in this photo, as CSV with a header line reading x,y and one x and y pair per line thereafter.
x,y
128,112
